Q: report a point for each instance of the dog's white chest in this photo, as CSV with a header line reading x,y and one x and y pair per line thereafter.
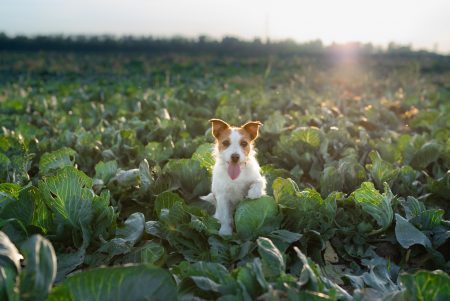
x,y
233,190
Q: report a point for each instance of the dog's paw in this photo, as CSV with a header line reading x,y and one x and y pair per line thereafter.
x,y
209,198
225,230
254,192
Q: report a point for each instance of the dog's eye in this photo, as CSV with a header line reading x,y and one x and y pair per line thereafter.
x,y
244,143
226,143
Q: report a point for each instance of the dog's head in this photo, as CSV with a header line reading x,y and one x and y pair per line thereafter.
x,y
234,145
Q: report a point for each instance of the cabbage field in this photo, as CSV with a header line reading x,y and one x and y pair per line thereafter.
x,y
103,158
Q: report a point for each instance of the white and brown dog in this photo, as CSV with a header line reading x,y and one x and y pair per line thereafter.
x,y
236,173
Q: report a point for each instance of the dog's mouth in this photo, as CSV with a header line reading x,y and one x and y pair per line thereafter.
x,y
234,170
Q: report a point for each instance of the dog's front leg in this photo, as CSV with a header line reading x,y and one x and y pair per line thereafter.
x,y
257,189
223,214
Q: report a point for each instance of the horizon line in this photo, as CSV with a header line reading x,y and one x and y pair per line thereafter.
x,y
264,40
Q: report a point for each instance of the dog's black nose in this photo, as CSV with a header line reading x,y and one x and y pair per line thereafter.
x,y
235,158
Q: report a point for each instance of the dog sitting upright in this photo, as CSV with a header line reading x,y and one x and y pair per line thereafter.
x,y
236,173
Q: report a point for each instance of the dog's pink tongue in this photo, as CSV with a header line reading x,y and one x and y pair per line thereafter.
x,y
234,170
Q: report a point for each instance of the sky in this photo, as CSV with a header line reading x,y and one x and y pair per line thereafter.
x,y
422,24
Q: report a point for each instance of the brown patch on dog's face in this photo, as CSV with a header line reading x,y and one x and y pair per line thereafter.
x,y
223,140
221,131
252,128
246,140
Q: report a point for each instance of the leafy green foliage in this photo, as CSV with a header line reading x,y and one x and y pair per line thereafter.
x,y
189,176
66,190
130,282
203,154
105,170
111,173
312,279
69,196
32,282
275,123
380,170
377,205
272,259
166,200
9,267
57,159
408,235
36,279
310,136
158,152
256,217
27,208
422,227
423,285
303,210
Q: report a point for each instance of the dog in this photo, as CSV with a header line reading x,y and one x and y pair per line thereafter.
x,y
236,173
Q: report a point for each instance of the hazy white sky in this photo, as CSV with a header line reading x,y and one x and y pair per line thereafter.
x,y
424,24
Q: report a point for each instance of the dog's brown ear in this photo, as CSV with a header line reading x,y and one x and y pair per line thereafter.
x,y
218,126
252,127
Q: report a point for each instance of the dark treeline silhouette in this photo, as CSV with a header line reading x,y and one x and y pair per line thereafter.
x,y
202,45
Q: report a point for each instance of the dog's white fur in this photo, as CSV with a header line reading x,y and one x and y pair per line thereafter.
x,y
227,193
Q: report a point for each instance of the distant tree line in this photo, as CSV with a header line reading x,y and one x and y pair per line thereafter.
x,y
201,45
